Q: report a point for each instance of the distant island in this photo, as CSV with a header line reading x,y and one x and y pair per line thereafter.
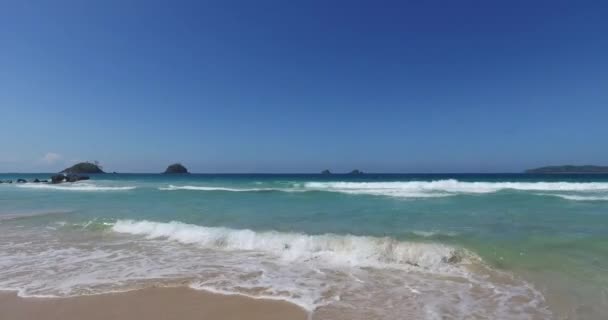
x,y
84,167
176,168
356,172
570,169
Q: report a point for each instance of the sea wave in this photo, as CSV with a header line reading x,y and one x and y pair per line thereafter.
x,y
448,187
361,251
574,197
74,187
206,188
350,274
355,277
434,233
410,189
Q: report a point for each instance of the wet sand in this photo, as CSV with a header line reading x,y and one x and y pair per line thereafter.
x,y
147,304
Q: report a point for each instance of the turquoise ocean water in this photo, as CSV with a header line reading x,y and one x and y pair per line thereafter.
x,y
500,246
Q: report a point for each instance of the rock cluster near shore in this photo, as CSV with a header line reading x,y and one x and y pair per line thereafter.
x,y
59,178
72,174
67,178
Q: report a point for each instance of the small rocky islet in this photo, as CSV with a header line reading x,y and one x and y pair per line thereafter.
x,y
84,168
176,168
356,172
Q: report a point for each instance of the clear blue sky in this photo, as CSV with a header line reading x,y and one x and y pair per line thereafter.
x,y
300,86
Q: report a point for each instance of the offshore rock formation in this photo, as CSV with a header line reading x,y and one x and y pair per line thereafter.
x,y
176,168
83,168
67,178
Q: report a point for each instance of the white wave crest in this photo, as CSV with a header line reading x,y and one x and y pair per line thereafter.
x,y
361,251
448,187
74,187
411,189
205,188
574,197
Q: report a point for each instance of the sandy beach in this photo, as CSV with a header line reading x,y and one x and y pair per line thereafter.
x,y
148,304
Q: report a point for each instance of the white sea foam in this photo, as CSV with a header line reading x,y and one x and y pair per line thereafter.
x,y
353,277
410,189
349,250
428,234
440,188
77,186
206,188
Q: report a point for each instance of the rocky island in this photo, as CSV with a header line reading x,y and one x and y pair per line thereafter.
x,y
84,168
326,171
176,168
76,172
356,171
569,169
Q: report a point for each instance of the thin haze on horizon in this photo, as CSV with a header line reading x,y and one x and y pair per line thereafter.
x,y
302,86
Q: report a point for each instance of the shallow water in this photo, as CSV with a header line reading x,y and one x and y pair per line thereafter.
x,y
345,247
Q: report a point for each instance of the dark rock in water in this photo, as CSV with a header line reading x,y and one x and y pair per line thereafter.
x,y
452,259
413,264
325,172
176,168
67,178
45,181
57,178
83,167
21,181
356,171
36,180
75,177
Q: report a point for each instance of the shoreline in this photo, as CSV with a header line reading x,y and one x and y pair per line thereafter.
x,y
157,303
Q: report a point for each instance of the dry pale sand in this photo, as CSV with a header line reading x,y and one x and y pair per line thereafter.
x,y
147,304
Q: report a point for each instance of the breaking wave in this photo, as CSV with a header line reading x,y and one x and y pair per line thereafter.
x,y
449,187
330,275
416,189
204,188
349,250
74,187
574,197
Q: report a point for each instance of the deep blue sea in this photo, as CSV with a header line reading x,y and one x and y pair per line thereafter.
x,y
372,246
